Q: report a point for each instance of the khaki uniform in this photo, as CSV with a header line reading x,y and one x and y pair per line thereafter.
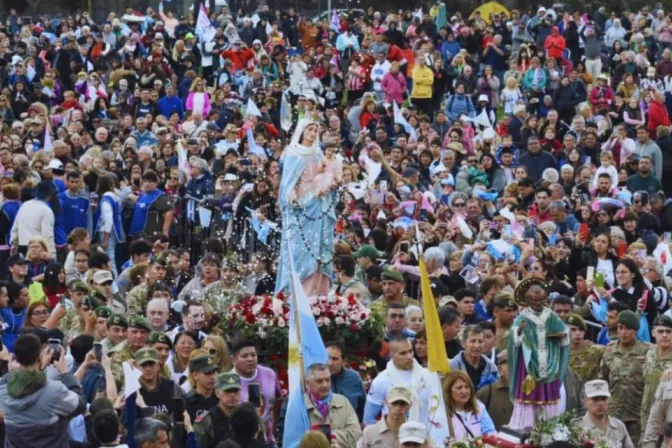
x,y
624,371
378,435
219,297
586,362
661,414
497,401
342,418
502,339
137,300
379,306
654,367
118,355
616,434
71,324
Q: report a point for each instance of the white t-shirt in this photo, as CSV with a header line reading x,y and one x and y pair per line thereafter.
x,y
606,267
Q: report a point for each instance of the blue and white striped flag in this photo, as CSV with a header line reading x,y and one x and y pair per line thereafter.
x,y
399,119
308,346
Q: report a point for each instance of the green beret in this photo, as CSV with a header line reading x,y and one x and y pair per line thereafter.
x,y
203,363
79,286
103,311
94,299
139,322
577,321
228,381
368,251
662,321
629,319
392,274
156,337
117,320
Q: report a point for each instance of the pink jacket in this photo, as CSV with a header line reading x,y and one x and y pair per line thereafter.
x,y
394,87
206,103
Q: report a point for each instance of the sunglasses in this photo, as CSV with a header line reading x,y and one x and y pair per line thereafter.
x,y
459,204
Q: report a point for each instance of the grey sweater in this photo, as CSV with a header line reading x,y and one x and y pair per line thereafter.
x,y
592,49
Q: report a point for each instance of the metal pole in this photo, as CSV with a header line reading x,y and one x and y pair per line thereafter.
x,y
329,10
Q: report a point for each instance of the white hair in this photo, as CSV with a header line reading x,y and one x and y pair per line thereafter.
x,y
163,303
410,309
551,175
436,254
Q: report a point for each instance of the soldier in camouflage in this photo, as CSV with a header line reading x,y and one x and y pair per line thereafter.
x,y
163,345
584,359
658,360
138,297
117,330
226,291
138,336
622,367
213,426
72,324
504,311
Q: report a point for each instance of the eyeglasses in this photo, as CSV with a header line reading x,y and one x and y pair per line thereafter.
x,y
41,313
471,161
459,204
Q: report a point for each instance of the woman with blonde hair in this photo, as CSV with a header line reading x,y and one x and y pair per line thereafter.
x,y
467,416
198,99
510,95
314,439
216,347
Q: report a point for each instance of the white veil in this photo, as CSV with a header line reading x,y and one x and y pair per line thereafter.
x,y
295,147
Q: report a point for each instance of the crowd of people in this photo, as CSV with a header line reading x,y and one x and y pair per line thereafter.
x,y
157,169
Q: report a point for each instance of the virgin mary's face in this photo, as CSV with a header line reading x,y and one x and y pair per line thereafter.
x,y
310,133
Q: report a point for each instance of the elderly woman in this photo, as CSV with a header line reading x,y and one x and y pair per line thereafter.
x,y
415,319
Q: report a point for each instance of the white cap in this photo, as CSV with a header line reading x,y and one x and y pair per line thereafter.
x,y
101,277
55,164
542,9
230,177
483,97
413,432
597,388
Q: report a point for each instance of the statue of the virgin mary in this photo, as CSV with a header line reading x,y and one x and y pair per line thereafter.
x,y
308,200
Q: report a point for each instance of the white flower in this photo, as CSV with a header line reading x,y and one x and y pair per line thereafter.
x,y
316,311
327,321
339,321
276,305
256,308
281,322
261,333
561,433
546,439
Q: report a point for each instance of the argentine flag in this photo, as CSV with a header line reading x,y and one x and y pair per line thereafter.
x,y
304,341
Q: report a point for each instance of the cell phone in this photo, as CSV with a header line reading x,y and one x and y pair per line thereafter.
x,y
98,351
667,236
507,232
245,162
599,280
178,409
645,299
254,394
403,247
622,249
641,253
55,346
326,430
61,299
583,231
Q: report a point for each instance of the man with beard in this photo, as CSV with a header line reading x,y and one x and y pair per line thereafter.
x,y
643,179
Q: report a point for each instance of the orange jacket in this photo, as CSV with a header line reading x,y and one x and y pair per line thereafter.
x,y
555,45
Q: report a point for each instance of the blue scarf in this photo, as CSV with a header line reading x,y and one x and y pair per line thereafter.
x,y
142,209
322,405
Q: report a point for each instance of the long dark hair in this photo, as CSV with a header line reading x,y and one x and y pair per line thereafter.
x,y
629,263
51,276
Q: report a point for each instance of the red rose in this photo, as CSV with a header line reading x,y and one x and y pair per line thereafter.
x,y
353,327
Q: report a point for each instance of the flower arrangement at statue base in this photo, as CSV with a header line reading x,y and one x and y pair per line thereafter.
x,y
564,428
471,443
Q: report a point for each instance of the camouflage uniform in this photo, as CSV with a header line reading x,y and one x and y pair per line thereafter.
x,y
137,300
118,355
502,339
585,361
380,306
654,367
71,324
219,297
623,370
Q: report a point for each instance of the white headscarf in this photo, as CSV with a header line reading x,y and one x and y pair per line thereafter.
x,y
295,147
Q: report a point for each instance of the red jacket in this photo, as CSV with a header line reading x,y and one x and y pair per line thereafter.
x,y
601,96
238,57
658,116
555,45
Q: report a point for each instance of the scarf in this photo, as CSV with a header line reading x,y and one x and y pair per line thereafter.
x,y
21,383
418,382
322,405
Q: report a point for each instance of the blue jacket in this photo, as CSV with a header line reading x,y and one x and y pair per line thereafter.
x,y
76,212
169,105
349,384
458,105
490,373
13,325
201,187
449,48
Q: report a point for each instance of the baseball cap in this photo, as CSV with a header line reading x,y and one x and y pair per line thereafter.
x,y
16,259
597,388
228,381
101,277
399,393
145,355
413,432
367,250
204,363
55,164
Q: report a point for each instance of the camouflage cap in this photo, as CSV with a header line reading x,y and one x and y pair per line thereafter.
x,y
203,363
504,300
79,286
145,355
156,337
228,381
139,322
103,311
576,320
117,320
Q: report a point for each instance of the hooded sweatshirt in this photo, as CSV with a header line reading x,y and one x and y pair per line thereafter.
x,y
37,410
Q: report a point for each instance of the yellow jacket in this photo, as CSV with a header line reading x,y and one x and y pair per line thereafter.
x,y
423,78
